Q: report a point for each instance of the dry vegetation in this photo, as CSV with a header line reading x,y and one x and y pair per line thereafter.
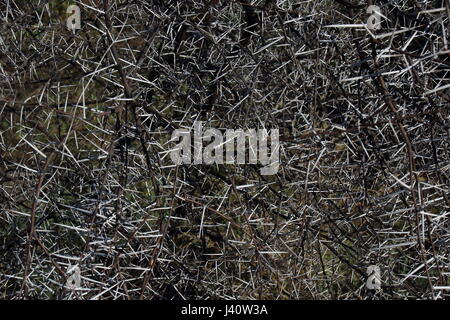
x,y
85,178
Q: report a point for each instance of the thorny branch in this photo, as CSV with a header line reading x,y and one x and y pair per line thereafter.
x,y
86,120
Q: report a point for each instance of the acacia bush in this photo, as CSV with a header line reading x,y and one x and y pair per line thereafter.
x,y
85,124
